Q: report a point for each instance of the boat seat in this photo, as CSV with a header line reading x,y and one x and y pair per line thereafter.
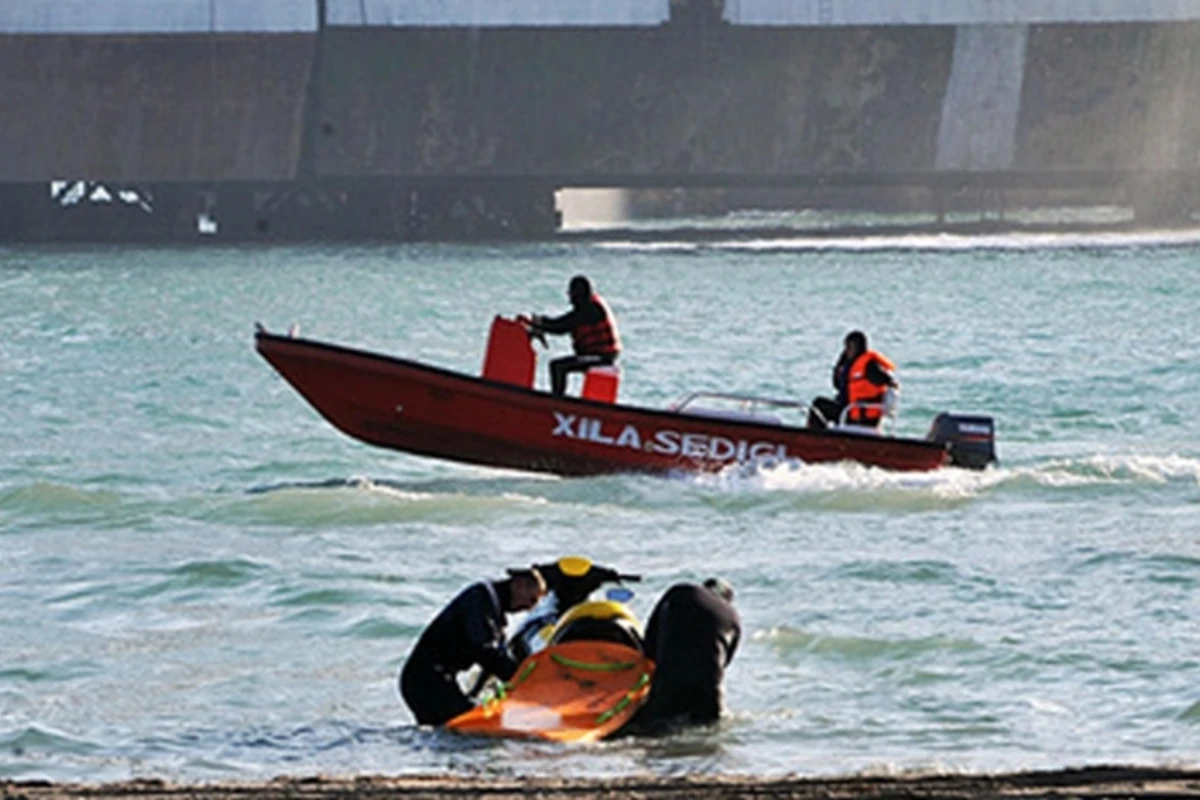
x,y
888,407
601,383
589,629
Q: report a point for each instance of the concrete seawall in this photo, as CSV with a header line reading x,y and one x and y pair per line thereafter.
x,y
623,106
394,131
150,109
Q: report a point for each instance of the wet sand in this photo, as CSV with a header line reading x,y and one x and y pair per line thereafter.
x,y
1093,782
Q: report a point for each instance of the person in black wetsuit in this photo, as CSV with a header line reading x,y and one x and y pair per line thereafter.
x,y
593,330
469,631
858,369
692,635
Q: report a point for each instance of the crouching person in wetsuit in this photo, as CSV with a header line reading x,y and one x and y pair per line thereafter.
x,y
692,635
593,330
469,631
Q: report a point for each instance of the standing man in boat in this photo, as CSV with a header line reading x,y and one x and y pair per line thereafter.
x,y
469,631
692,635
861,375
593,330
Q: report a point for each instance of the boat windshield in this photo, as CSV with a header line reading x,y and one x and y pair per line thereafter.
x,y
748,408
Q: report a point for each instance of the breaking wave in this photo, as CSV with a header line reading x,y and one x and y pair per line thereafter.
x,y
910,242
854,486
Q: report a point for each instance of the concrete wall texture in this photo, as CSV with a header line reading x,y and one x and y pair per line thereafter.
x,y
593,93
770,102
626,103
152,109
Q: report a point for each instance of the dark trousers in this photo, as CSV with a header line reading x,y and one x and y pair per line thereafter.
x,y
829,409
432,693
561,367
673,706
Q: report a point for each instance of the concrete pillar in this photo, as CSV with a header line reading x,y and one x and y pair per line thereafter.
x,y
1170,63
983,98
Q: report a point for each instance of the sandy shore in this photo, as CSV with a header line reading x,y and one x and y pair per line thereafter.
x,y
1095,782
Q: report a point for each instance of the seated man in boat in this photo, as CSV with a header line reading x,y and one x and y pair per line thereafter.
x,y
593,330
691,636
861,375
469,631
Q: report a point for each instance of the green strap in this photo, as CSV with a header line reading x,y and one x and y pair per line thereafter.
x,y
602,667
624,701
530,665
504,687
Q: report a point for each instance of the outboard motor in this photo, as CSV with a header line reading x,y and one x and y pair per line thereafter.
x,y
971,440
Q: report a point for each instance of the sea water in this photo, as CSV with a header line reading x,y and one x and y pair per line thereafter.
x,y
201,579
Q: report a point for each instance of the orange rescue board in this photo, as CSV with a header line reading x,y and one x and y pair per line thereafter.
x,y
570,692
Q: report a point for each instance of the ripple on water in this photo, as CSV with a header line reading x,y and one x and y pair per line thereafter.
x,y
43,740
206,574
359,502
929,572
792,642
49,673
43,504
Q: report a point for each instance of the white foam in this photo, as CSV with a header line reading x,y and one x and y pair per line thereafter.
x,y
952,484
794,476
1107,469
951,242
365,484
1044,706
1158,469
649,247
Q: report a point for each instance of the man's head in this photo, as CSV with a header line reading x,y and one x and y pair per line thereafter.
x,y
855,344
720,587
579,290
526,587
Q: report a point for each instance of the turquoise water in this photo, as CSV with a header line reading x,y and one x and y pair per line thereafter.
x,y
203,580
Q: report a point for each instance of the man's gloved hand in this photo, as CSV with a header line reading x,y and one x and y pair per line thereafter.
x,y
533,325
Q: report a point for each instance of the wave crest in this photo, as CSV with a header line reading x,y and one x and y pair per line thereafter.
x,y
854,487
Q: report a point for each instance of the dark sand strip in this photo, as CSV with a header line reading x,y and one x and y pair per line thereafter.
x,y
1089,783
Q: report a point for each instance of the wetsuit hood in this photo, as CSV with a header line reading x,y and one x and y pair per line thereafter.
x,y
579,291
504,594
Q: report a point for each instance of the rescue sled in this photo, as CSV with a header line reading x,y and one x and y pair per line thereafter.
x,y
573,691
500,420
585,674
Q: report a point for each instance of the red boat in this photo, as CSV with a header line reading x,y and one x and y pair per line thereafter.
x,y
499,420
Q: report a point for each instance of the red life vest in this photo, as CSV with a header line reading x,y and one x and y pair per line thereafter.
x,y
861,390
598,338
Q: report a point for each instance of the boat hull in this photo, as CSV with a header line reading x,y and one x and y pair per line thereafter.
x,y
411,407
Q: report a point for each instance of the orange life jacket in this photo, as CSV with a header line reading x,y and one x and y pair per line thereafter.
x,y
598,338
861,390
